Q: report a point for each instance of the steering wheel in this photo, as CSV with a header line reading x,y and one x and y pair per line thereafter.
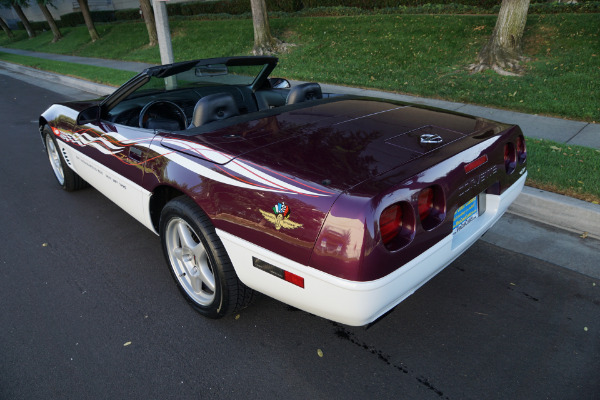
x,y
162,114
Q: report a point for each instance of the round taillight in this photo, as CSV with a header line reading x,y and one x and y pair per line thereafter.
x,y
510,158
521,149
397,225
390,223
431,206
425,203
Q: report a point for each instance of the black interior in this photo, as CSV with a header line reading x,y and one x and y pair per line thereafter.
x,y
204,105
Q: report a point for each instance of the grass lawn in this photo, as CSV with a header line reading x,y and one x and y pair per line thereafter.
x,y
106,76
423,55
566,169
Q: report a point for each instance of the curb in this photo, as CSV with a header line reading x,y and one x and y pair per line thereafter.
x,y
557,210
550,208
80,84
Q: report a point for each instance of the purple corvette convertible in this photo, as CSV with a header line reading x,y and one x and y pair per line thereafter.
x,y
341,206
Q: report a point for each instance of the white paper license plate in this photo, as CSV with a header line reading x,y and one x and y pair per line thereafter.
x,y
465,215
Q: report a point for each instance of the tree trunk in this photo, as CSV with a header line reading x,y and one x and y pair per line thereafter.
x,y
6,29
24,20
51,22
87,17
503,51
264,42
148,15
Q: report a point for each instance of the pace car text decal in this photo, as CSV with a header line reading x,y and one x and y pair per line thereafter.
x,y
233,172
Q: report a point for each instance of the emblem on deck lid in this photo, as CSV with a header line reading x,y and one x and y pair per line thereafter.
x,y
430,138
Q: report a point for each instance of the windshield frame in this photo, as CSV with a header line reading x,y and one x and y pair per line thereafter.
x,y
165,71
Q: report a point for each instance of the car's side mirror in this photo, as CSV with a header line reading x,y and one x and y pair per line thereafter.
x,y
279,83
91,114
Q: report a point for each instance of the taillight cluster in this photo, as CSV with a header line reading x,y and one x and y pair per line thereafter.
x,y
397,225
397,222
514,155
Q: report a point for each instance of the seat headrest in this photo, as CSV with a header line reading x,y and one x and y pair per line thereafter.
x,y
214,107
304,92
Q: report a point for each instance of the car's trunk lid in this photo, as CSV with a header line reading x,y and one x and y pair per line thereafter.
x,y
343,143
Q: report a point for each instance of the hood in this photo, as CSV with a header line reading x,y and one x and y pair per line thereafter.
x,y
343,143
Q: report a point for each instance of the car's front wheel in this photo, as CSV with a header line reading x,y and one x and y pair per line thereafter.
x,y
65,176
199,263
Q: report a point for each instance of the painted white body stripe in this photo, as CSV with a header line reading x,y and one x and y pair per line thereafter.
x,y
358,303
268,183
204,171
257,180
128,195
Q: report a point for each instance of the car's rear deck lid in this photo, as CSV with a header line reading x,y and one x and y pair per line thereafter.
x,y
342,142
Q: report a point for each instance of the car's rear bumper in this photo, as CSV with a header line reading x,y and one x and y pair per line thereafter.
x,y
358,303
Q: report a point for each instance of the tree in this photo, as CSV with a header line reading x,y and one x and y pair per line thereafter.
x,y
50,19
148,15
16,5
5,28
504,51
87,17
264,42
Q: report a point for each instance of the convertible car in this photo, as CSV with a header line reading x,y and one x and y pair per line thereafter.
x,y
338,205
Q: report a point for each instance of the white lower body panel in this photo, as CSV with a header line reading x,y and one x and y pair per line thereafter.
x,y
358,303
128,195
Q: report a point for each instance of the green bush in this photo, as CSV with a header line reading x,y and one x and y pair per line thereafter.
x,y
71,19
375,4
130,14
556,8
36,26
76,18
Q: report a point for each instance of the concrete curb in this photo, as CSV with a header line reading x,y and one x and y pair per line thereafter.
x,y
535,204
80,84
557,210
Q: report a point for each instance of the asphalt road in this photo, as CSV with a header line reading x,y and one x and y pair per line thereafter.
x,y
88,310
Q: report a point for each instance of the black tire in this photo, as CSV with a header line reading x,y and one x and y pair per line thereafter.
x,y
198,261
66,177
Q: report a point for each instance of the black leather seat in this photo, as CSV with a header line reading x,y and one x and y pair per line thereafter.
x,y
214,107
304,92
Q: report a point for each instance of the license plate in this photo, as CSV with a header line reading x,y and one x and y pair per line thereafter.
x,y
465,215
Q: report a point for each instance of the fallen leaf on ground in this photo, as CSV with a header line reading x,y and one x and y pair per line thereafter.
x,y
320,352
126,344
585,234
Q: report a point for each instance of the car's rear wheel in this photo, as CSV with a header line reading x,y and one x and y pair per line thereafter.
x,y
65,176
198,261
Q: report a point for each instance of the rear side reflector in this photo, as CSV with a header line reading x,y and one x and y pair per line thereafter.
x,y
295,279
278,272
477,163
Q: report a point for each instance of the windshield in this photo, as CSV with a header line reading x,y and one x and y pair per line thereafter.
x,y
205,75
184,84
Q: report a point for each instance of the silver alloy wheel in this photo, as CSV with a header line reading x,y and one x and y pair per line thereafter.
x,y
55,160
190,262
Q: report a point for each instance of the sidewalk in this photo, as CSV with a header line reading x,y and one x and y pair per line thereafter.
x,y
549,208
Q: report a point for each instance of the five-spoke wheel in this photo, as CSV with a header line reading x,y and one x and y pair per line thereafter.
x,y
190,262
65,176
199,263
